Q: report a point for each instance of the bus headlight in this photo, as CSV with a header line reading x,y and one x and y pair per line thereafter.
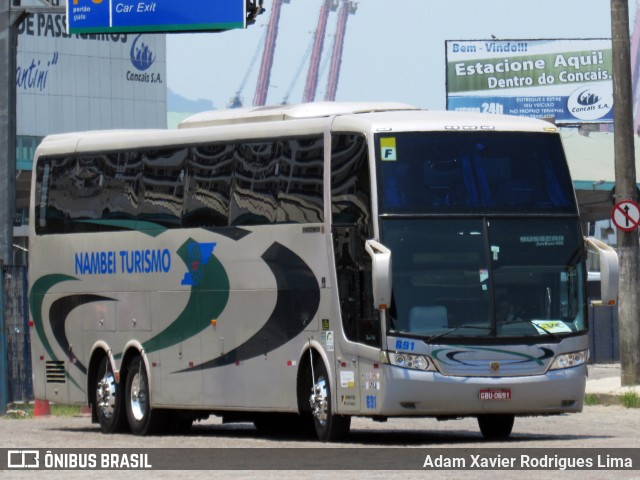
x,y
406,360
568,360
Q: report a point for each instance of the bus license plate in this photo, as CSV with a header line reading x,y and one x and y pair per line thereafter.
x,y
495,394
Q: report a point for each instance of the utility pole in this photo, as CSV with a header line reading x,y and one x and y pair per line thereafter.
x,y
625,173
4,371
8,42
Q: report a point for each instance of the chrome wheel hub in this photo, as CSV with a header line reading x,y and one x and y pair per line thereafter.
x,y
105,395
138,397
319,401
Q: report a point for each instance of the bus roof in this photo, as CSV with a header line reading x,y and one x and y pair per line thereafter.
x,y
368,115
288,112
310,118
432,120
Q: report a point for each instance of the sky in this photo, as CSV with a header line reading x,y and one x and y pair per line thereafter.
x,y
394,49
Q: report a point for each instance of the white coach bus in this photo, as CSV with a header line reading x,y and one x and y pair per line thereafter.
x,y
295,266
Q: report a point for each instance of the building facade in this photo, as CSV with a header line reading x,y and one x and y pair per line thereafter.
x,y
68,83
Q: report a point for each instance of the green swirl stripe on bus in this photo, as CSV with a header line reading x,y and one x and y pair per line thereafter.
x,y
207,301
36,299
149,228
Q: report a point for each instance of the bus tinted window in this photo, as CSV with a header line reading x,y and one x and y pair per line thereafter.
x,y
351,227
301,168
207,185
278,182
447,274
75,194
350,190
254,195
162,186
435,171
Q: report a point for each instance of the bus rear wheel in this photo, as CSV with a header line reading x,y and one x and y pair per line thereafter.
x,y
143,420
108,397
329,426
495,427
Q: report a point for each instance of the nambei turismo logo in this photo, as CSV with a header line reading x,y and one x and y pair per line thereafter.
x,y
591,102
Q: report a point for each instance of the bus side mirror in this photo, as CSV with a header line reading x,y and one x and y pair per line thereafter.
x,y
381,273
609,272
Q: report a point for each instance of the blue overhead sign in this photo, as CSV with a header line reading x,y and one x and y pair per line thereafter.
x,y
105,16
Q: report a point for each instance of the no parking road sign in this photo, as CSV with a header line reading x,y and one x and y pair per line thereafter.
x,y
626,215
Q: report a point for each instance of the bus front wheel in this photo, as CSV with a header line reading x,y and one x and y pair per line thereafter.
x,y
143,420
109,403
329,426
495,427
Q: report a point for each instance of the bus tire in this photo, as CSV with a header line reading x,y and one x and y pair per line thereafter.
x,y
495,427
108,398
143,420
329,426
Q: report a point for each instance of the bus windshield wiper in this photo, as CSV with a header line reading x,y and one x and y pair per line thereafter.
x,y
477,327
455,329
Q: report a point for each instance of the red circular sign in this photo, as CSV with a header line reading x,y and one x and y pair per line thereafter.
x,y
626,215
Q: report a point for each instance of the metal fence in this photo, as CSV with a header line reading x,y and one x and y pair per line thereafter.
x,y
18,385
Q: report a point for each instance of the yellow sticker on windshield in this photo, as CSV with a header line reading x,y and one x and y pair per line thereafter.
x,y
388,149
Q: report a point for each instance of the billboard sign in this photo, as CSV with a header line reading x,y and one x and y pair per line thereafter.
x,y
570,80
106,16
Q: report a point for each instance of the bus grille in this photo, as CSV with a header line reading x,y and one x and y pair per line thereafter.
x,y
494,368
55,371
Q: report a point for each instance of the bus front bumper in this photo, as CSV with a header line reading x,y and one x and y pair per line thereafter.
x,y
424,393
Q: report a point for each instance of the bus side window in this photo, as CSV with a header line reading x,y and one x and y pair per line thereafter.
x,y
351,227
74,193
254,190
161,188
300,173
285,176
209,185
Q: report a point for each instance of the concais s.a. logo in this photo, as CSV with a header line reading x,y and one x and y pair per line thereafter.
x,y
590,102
141,55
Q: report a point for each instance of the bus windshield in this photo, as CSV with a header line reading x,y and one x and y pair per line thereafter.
x,y
483,278
465,264
428,172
